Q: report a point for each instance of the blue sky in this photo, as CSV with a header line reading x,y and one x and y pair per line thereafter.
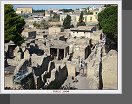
x,y
39,7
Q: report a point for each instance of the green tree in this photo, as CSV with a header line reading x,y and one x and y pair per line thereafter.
x,y
108,22
44,24
38,11
67,22
81,22
107,5
87,11
56,17
67,10
13,25
34,23
37,25
41,25
90,12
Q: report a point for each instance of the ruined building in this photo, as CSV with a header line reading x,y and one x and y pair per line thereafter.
x,y
60,59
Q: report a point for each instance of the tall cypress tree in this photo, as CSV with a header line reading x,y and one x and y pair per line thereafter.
x,y
14,25
67,22
81,22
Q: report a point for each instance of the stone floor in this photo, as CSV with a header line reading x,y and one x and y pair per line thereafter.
x,y
8,81
81,83
8,76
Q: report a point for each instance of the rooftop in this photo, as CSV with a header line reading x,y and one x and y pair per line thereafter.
x,y
58,44
84,28
28,30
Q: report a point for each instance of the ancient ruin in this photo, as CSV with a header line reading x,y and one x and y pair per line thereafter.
x,y
58,58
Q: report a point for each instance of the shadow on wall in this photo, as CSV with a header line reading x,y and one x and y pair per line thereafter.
x,y
35,50
60,77
100,76
28,82
44,67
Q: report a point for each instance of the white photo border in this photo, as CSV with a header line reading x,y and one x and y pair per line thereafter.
x,y
118,91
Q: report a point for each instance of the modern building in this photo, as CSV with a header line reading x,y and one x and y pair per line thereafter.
x,y
75,18
24,10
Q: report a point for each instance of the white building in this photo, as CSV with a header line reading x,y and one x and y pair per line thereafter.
x,y
82,31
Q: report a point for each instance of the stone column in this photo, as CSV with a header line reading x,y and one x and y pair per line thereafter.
x,y
64,52
35,79
57,53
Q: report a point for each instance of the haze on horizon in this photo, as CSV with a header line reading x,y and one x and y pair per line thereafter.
x,y
56,6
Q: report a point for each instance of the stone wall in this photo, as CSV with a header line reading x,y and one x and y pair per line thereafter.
x,y
23,76
57,78
13,62
80,34
28,82
55,30
22,66
82,51
94,68
110,70
71,68
40,64
29,34
102,69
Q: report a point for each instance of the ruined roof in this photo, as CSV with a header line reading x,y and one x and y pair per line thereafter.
x,y
78,41
62,33
29,30
98,32
11,42
83,28
55,27
58,44
30,41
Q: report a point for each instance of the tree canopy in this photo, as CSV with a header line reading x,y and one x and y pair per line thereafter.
x,y
67,22
87,11
81,22
41,25
35,24
67,10
108,22
14,25
44,24
38,11
56,17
